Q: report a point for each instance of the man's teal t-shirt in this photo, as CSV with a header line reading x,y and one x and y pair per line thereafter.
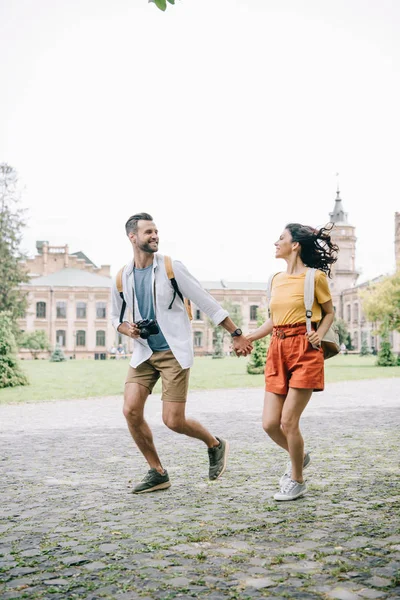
x,y
143,291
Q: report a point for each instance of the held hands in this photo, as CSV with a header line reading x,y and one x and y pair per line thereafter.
x,y
242,346
314,338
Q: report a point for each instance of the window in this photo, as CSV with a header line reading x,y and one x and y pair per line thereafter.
x,y
100,338
253,312
348,313
198,339
101,310
81,338
40,310
81,310
197,315
355,312
60,337
61,310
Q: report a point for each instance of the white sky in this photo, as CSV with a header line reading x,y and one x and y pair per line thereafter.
x,y
224,119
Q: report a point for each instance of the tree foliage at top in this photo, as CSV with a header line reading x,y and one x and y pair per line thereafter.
x,y
162,4
12,273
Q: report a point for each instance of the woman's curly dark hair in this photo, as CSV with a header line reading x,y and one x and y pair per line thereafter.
x,y
316,247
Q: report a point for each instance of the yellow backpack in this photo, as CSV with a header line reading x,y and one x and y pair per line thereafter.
x,y
171,277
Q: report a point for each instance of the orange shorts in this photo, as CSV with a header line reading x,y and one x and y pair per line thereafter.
x,y
292,362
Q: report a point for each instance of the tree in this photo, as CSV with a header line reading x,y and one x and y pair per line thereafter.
x,y
256,364
386,358
57,355
162,4
11,374
35,342
12,273
343,332
364,351
381,303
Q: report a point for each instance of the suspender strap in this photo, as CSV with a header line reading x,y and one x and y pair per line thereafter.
x,y
309,293
118,282
171,277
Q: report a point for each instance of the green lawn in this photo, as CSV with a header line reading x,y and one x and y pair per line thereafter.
x,y
85,378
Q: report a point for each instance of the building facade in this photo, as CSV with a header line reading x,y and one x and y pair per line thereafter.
x,y
346,293
69,299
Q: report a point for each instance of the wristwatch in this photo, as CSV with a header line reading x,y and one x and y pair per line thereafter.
x,y
236,333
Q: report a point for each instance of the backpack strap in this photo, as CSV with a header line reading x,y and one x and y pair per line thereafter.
x,y
309,293
118,281
177,291
269,290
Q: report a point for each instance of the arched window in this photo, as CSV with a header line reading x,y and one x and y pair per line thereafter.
x,y
81,310
253,312
60,337
198,339
101,310
40,310
100,338
81,338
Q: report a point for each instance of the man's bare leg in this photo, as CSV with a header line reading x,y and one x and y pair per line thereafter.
x,y
134,401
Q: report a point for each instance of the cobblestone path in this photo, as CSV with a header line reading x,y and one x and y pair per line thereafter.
x,y
71,528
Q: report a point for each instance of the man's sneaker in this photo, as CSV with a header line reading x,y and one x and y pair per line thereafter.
x,y
218,457
291,490
288,473
152,482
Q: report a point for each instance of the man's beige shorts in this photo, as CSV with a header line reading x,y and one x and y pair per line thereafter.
x,y
175,380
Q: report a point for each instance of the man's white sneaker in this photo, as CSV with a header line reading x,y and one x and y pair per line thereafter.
x,y
288,473
291,490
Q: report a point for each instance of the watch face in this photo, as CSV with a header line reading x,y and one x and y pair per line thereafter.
x,y
237,332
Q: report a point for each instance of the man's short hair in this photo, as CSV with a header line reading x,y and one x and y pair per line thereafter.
x,y
131,224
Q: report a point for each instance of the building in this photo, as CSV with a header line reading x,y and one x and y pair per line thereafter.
x,y
69,298
346,293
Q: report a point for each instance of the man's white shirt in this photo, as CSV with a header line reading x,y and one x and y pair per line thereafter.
x,y
174,322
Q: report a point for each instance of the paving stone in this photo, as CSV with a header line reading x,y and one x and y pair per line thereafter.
x,y
94,566
262,582
379,582
342,594
179,582
372,594
56,582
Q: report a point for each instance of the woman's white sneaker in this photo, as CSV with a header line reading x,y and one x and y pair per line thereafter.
x,y
288,473
291,490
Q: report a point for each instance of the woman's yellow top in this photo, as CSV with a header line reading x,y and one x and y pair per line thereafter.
x,y
287,298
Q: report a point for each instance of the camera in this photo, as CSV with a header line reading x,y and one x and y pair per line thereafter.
x,y
147,328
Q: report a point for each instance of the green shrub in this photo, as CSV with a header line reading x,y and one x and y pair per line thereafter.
x,y
11,374
256,364
57,355
386,358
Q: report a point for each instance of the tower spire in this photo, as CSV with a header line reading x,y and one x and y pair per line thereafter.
x,y
338,215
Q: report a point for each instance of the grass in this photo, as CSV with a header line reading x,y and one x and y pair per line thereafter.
x,y
89,378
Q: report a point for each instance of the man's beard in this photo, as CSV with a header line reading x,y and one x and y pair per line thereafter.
x,y
145,247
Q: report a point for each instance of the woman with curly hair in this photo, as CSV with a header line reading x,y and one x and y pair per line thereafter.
x,y
295,361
